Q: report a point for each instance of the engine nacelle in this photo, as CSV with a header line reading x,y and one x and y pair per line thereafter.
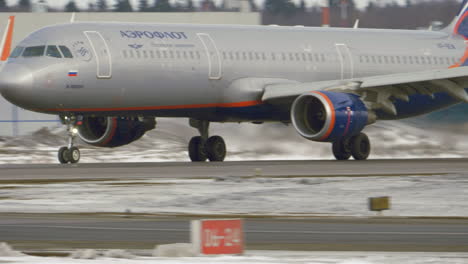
x,y
113,132
328,116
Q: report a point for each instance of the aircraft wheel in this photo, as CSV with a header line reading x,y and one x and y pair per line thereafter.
x,y
197,150
216,148
63,155
341,150
74,155
360,147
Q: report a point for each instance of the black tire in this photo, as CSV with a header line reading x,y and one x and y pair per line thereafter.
x,y
341,150
74,155
360,147
63,155
197,150
216,148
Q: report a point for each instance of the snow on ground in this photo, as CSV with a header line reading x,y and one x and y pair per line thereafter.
x,y
245,142
266,257
342,196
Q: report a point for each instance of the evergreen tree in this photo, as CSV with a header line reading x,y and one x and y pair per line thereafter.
x,y
162,6
101,5
253,6
190,6
143,6
71,7
123,6
302,6
280,7
24,5
3,6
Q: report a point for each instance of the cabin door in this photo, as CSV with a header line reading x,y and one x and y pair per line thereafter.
x,y
102,54
212,53
346,61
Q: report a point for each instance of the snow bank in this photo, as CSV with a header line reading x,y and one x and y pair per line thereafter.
x,y
174,250
7,251
391,139
94,254
118,253
85,254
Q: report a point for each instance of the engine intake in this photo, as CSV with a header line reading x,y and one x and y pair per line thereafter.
x,y
113,132
328,116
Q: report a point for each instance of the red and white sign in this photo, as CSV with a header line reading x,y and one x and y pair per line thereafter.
x,y
218,237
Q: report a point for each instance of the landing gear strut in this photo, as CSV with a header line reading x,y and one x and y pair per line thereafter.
x,y
204,147
358,146
69,154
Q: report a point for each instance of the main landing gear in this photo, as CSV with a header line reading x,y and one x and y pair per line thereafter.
x,y
204,147
358,146
70,154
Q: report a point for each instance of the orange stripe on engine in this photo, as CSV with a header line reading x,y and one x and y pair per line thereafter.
x,y
333,116
9,39
168,107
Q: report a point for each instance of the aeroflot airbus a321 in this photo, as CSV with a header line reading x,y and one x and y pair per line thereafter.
x,y
109,81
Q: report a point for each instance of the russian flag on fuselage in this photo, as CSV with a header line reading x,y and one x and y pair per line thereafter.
x,y
72,73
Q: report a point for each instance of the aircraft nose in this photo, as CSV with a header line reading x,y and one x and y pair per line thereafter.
x,y
16,83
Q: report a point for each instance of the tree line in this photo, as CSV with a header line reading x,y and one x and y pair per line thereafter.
x,y
413,14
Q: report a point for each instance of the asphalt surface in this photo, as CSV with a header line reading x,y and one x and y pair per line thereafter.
x,y
61,232
265,168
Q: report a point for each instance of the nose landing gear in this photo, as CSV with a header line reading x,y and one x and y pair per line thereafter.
x,y
70,154
204,147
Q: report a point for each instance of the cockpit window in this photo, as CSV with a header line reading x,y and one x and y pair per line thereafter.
x,y
52,51
66,52
35,51
17,52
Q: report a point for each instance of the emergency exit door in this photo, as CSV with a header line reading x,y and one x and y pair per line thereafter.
x,y
212,53
102,54
346,61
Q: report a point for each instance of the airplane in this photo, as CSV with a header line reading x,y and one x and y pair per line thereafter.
x,y
109,82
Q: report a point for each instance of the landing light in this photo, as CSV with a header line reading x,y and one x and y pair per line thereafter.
x,y
75,130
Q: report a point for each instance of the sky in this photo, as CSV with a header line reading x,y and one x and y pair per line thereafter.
x,y
84,3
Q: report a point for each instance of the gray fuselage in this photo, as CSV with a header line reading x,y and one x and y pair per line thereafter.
x,y
214,73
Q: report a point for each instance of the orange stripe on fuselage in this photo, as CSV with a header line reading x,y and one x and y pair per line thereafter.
x,y
9,40
168,107
333,116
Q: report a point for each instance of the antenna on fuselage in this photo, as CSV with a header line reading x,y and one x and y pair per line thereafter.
x,y
72,18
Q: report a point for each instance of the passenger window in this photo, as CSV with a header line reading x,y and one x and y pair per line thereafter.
x,y
322,57
66,52
35,51
17,52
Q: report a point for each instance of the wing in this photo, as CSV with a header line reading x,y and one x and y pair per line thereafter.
x,y
380,92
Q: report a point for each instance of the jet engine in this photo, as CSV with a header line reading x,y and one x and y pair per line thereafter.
x,y
113,132
329,116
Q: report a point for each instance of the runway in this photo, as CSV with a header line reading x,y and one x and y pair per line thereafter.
x,y
63,232
125,171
